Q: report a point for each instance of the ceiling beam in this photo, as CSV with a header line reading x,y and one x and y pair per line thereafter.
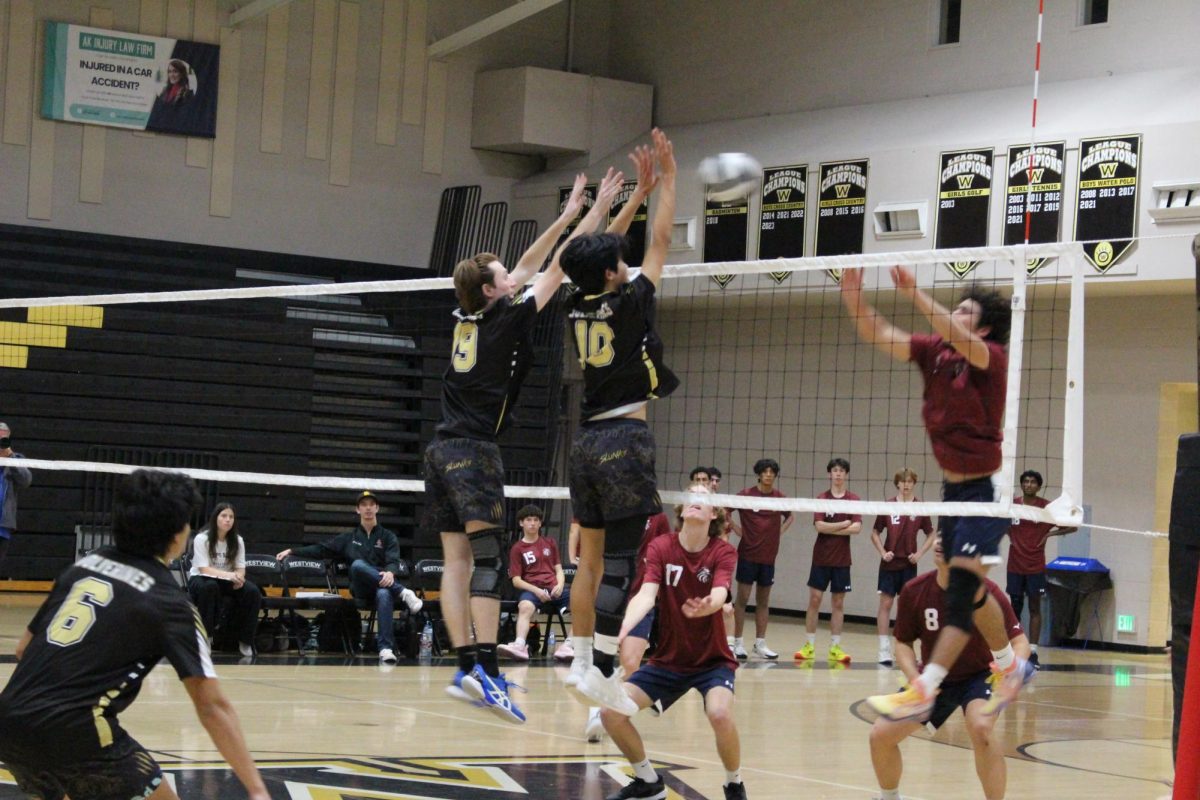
x,y
253,10
486,27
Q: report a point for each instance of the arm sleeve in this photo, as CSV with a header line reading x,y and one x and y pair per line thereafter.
x,y
555,558
654,565
239,558
330,548
183,641
21,476
391,548
918,348
880,523
516,564
905,630
200,552
927,525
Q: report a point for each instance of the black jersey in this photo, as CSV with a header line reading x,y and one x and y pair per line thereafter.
x,y
109,619
619,350
490,357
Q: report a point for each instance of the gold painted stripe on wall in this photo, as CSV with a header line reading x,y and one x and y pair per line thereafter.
x,y
13,357
435,119
344,75
179,19
204,29
41,152
91,166
274,72
320,78
220,200
74,316
18,77
414,62
29,335
391,66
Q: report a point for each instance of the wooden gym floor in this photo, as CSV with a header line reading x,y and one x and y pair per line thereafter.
x,y
333,728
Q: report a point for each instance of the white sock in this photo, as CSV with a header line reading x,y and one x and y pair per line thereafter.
x,y
582,645
889,794
812,638
607,644
760,642
733,777
739,641
885,643
835,640
519,642
1033,648
931,679
731,641
1004,658
644,771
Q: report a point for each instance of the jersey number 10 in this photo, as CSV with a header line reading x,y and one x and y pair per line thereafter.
x,y
594,340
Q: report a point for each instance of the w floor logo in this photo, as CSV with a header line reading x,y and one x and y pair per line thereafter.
x,y
370,778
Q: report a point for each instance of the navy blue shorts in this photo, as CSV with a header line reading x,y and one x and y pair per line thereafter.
x,y
891,581
642,629
752,572
958,695
561,603
834,579
972,537
1031,586
665,687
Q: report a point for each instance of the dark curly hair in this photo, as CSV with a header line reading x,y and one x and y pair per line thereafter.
x,y
588,257
995,312
150,508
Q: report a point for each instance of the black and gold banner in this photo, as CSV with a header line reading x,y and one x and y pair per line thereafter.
x,y
781,230
726,232
637,228
1035,183
589,200
842,209
964,197
1106,210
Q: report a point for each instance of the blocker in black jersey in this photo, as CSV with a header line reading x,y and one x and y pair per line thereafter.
x,y
108,621
490,358
619,350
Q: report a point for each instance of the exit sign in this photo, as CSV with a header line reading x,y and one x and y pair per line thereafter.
x,y
1125,623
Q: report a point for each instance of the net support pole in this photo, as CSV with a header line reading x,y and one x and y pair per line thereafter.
x,y
1187,762
1012,401
1072,450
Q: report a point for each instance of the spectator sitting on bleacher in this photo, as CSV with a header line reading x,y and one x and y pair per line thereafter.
x,y
373,555
219,571
537,574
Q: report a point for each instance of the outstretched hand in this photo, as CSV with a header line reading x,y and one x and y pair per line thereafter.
x,y
905,280
574,203
664,153
610,185
852,280
695,607
643,159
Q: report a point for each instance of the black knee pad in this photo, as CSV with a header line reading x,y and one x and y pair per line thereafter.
x,y
624,535
1018,603
489,568
960,599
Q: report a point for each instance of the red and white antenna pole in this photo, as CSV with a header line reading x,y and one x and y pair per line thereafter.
x,y
1037,69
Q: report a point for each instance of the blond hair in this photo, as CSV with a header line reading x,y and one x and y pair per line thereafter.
x,y
905,474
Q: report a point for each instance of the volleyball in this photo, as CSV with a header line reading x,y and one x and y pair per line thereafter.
x,y
730,176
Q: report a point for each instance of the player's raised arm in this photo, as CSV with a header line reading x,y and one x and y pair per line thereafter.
x,y
664,212
872,326
549,281
533,258
948,326
219,718
643,159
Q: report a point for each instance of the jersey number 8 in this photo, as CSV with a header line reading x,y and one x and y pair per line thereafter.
x,y
77,614
594,340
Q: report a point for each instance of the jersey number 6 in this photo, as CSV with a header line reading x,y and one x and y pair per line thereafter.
x,y
594,340
77,614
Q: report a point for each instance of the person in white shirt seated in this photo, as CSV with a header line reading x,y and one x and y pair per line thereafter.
x,y
219,571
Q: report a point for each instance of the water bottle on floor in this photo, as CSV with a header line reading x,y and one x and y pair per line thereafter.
x,y
550,642
425,654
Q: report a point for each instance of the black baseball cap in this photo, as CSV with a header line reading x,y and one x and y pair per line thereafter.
x,y
366,494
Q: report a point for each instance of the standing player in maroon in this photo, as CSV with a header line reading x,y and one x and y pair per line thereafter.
x,y
964,365
1027,558
920,615
898,554
758,546
689,576
831,565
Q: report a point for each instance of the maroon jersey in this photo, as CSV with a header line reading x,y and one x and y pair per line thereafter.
x,y
831,549
689,645
760,529
656,526
535,562
964,406
919,615
901,537
1027,549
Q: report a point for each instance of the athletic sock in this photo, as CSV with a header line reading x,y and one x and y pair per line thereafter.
x,y
1033,648
519,642
835,640
885,642
812,639
487,659
605,655
1004,658
582,645
889,794
733,777
466,657
644,771
931,679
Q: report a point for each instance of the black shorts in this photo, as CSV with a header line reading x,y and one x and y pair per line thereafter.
x,y
121,771
1031,586
664,687
753,572
958,695
891,581
464,481
612,472
972,537
835,579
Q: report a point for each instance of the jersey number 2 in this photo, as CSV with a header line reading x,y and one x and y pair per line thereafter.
x,y
465,339
77,614
594,340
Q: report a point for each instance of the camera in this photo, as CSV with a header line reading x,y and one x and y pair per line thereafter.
x,y
5,442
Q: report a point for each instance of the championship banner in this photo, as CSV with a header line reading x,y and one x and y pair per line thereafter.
x,y
964,197
843,207
126,80
637,229
1035,182
781,229
589,199
726,232
1106,210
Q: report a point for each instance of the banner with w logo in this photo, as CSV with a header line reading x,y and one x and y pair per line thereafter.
x,y
843,208
1106,206
964,198
781,229
1035,186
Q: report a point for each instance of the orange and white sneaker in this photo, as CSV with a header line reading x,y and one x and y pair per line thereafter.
x,y
910,704
1007,684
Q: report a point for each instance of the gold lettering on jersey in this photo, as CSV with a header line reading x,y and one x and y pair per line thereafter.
x,y
115,569
1110,150
613,456
463,464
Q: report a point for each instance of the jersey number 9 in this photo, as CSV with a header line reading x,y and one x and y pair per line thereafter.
x,y
465,339
77,614
594,340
